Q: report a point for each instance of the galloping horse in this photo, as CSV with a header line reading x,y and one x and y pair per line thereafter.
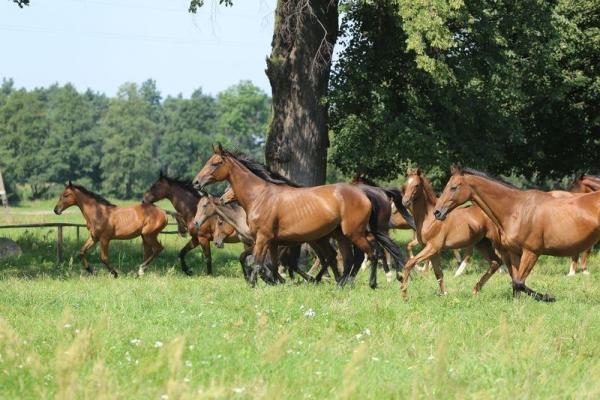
x,y
530,222
279,213
466,227
185,200
106,222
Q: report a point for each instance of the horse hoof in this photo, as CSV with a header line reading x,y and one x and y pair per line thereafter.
x,y
441,294
115,274
474,292
188,272
571,273
585,272
548,298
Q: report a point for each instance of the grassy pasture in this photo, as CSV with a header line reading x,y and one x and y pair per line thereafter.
x,y
68,335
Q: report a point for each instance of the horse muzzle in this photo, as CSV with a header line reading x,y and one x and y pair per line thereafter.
x,y
440,214
199,184
219,244
58,210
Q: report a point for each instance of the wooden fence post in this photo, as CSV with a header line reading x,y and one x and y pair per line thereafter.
x,y
59,244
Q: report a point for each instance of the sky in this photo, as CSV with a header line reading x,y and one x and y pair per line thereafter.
x,y
100,44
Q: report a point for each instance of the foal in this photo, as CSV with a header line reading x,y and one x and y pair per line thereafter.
x,y
106,222
466,227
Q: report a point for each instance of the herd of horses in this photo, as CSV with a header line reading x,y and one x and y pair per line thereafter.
x,y
348,224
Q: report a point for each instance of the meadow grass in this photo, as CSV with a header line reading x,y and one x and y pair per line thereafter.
x,y
67,335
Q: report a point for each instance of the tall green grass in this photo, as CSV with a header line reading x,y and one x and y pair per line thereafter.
x,y
68,335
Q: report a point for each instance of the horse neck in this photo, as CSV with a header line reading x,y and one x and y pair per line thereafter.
x,y
184,202
246,186
423,207
236,217
495,199
89,208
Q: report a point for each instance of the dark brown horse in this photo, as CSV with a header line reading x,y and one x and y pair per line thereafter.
x,y
105,222
530,222
184,199
279,213
466,227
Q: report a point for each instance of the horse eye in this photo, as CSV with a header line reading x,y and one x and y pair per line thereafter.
x,y
216,164
453,188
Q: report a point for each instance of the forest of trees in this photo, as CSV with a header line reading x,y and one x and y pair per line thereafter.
x,y
118,145
511,87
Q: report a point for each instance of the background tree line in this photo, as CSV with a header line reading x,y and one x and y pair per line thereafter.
x,y
117,145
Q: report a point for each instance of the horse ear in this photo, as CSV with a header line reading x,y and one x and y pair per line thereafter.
x,y
70,184
218,149
161,173
418,171
455,169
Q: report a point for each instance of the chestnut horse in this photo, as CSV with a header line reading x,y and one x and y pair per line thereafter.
x,y
466,227
279,213
184,199
105,222
530,222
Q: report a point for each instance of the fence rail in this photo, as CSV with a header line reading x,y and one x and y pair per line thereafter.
x,y
59,232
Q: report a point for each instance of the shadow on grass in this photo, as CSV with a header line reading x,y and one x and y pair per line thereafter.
x,y
39,257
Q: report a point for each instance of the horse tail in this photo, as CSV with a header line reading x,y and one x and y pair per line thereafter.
x,y
396,196
182,227
382,238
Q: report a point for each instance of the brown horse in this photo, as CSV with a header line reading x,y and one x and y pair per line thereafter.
x,y
397,221
184,199
105,222
466,227
279,213
530,222
229,210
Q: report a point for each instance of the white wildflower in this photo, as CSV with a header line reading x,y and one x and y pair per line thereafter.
x,y
158,344
188,363
238,390
310,313
135,342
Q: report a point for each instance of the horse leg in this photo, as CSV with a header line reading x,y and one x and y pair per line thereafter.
x,y
192,244
465,261
242,259
424,254
412,244
104,257
260,251
584,257
436,261
89,243
528,260
345,247
152,248
486,249
274,264
205,244
386,261
573,267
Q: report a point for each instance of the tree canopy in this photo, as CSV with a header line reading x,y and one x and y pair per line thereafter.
x,y
510,87
119,144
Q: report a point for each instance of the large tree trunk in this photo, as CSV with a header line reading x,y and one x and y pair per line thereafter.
x,y
298,69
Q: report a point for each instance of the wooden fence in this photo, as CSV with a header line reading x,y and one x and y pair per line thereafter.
x,y
59,232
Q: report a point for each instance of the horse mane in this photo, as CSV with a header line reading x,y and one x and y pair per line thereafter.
x,y
185,184
471,171
95,196
359,178
261,170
